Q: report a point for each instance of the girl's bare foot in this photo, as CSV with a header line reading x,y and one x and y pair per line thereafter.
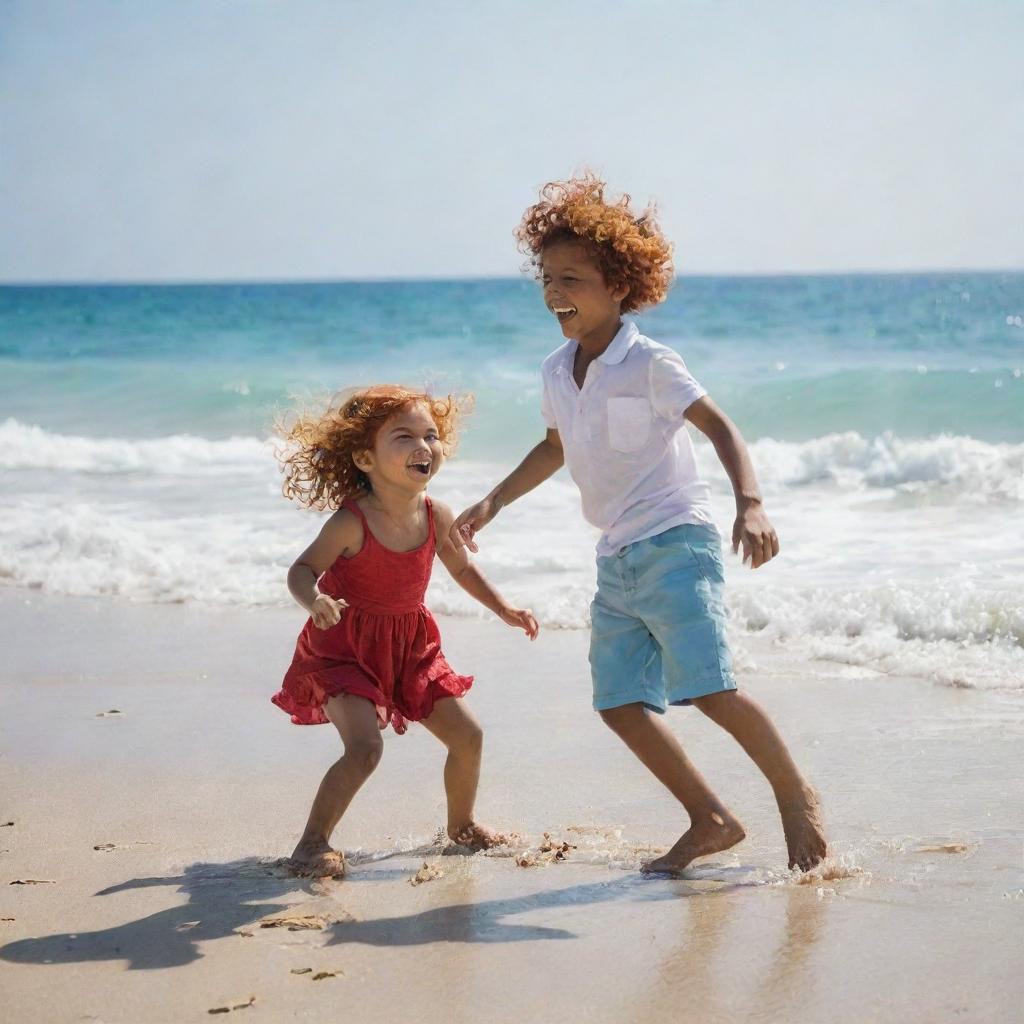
x,y
804,828
316,859
478,837
711,835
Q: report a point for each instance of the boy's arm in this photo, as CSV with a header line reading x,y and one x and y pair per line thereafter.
x,y
752,528
339,534
456,560
544,460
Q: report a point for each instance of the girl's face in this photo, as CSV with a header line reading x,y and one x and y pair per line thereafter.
x,y
406,453
576,292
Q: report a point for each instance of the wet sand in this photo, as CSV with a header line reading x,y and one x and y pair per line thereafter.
x,y
197,784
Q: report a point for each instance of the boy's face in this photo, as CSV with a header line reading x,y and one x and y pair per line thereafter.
x,y
576,292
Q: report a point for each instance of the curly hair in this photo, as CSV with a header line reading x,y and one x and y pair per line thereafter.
x,y
630,250
317,458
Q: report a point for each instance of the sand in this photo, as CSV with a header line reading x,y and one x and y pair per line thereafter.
x,y
152,836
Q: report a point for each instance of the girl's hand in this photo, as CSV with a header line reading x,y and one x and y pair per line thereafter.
x,y
326,611
475,518
759,539
521,618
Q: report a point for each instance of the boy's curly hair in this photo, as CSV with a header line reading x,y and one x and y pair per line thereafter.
x,y
631,251
317,456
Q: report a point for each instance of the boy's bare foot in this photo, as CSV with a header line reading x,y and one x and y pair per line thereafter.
x,y
710,835
478,837
805,831
316,859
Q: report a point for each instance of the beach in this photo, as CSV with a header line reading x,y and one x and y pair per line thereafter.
x,y
148,788
224,221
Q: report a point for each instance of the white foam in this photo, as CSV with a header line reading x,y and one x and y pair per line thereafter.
x,y
80,549
26,447
966,468
961,466
890,563
955,632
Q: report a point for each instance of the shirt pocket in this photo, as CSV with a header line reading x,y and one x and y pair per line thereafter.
x,y
629,423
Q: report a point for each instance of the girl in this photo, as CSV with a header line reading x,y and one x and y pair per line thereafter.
x,y
370,652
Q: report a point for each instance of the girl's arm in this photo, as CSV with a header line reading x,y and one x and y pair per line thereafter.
x,y
456,560
341,534
751,528
542,461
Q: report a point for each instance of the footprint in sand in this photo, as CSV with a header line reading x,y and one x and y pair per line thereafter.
x,y
319,976
298,923
944,848
233,1006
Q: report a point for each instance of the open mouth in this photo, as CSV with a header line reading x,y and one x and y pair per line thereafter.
x,y
563,312
421,467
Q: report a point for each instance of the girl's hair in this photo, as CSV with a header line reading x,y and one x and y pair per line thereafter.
x,y
631,251
317,458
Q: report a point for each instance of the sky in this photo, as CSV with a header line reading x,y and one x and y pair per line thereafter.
x,y
172,140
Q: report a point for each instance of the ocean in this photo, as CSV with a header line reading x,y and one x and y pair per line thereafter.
x,y
884,413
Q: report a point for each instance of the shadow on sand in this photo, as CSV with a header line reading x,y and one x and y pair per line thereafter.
x,y
225,897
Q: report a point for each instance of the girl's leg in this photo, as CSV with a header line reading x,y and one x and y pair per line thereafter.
x,y
454,725
748,723
355,718
712,827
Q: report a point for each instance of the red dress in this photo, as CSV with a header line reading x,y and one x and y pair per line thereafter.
x,y
386,647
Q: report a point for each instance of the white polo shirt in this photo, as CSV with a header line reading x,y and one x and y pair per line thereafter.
x,y
625,441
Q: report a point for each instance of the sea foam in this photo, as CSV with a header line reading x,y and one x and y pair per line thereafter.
x,y
898,555
962,466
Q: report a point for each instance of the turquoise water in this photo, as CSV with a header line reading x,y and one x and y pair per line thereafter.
x,y
791,358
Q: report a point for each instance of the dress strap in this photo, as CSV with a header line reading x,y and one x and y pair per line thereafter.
x,y
431,531
353,506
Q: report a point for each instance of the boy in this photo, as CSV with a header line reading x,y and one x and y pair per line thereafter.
x,y
614,403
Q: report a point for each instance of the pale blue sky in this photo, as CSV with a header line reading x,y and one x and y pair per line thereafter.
x,y
225,139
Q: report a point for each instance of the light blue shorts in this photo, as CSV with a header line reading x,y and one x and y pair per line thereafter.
x,y
658,635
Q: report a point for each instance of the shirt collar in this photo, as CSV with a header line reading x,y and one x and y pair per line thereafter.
x,y
620,344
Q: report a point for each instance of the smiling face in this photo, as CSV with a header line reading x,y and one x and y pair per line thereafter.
x,y
406,453
576,292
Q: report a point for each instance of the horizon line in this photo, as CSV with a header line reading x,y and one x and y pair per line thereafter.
x,y
455,279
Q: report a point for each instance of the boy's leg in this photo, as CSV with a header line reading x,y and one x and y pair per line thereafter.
x,y
686,614
626,669
712,828
355,718
748,723
456,727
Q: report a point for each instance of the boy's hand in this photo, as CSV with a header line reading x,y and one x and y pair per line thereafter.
x,y
759,539
521,618
326,611
475,518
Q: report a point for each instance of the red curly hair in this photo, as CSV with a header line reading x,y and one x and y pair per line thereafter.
x,y
317,458
630,250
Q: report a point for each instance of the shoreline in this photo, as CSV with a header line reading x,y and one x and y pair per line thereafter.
x,y
153,834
